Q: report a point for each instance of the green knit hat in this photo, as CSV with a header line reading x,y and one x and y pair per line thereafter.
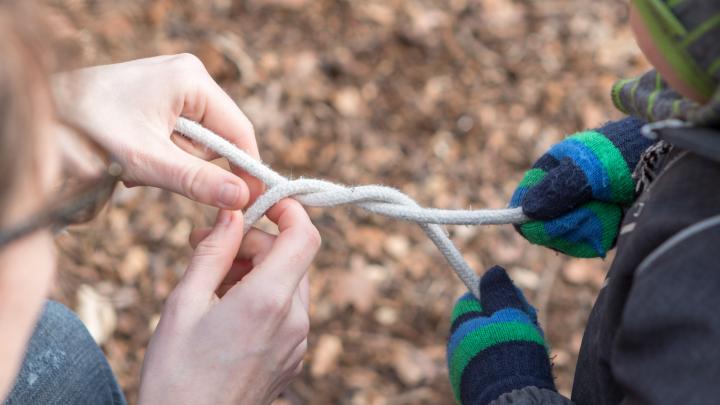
x,y
687,33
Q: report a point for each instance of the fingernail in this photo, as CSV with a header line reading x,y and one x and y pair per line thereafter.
x,y
229,195
225,217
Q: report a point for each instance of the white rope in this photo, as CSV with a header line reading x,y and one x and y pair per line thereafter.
x,y
381,200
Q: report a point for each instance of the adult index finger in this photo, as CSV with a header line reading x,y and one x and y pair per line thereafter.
x,y
294,249
212,107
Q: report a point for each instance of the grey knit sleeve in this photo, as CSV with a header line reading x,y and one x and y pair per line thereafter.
x,y
531,396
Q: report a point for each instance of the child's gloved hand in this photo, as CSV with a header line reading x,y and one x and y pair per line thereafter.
x,y
495,344
576,191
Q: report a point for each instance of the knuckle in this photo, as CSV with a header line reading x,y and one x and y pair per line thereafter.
x,y
300,327
188,62
176,302
248,127
177,306
270,304
190,180
208,247
137,159
313,238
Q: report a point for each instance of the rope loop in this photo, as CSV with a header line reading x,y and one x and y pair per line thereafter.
x,y
377,199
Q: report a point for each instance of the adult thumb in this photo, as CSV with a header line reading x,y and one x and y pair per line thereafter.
x,y
204,182
215,254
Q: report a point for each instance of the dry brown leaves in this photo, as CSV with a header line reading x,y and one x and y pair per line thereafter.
x,y
448,100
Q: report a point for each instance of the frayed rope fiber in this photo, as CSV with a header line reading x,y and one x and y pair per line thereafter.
x,y
381,200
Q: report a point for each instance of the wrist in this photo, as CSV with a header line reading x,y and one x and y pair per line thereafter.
x,y
513,383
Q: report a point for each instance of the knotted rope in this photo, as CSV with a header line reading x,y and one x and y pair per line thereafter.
x,y
381,200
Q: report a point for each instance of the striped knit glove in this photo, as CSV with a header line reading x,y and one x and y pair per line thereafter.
x,y
496,345
575,193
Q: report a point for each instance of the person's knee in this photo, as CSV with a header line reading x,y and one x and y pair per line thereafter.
x,y
60,323
63,363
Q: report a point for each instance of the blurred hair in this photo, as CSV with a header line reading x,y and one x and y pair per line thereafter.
x,y
24,94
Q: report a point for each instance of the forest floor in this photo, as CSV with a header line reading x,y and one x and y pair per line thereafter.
x,y
449,101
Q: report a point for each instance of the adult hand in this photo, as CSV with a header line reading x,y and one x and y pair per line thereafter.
x,y
575,193
131,109
235,328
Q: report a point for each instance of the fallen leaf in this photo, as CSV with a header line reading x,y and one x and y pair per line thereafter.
x,y
134,263
355,287
412,365
325,357
96,312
